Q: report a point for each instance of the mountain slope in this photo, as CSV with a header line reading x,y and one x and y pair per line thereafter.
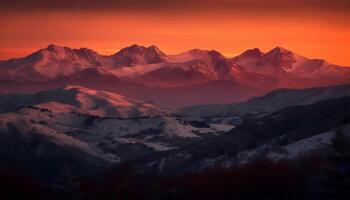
x,y
272,101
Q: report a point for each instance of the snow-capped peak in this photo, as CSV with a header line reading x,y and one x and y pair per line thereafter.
x,y
138,55
280,50
138,49
281,55
277,60
135,61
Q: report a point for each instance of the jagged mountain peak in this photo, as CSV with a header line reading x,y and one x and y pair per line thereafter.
x,y
85,50
199,54
197,51
281,59
139,49
279,63
279,51
56,49
255,52
53,46
135,48
288,66
155,48
138,55
216,54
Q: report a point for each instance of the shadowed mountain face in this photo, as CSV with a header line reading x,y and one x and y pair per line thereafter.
x,y
146,73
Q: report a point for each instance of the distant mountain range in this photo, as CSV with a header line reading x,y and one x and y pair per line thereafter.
x,y
148,74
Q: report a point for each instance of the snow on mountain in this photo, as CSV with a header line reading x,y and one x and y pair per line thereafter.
x,y
49,63
192,67
214,62
276,68
135,71
199,66
84,100
316,143
146,64
102,127
138,55
290,67
146,73
55,61
285,134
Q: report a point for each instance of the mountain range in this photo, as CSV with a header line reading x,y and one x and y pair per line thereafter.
x,y
97,130
166,114
148,74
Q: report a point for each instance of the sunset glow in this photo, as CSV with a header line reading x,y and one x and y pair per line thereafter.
x,y
315,31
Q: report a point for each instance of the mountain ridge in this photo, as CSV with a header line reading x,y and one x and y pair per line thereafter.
x,y
149,67
55,61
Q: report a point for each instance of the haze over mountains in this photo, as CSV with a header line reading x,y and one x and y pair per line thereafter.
x,y
148,74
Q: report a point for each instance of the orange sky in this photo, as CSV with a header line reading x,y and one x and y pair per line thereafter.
x,y
315,33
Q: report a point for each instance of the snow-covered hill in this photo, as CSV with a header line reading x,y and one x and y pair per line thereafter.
x,y
100,126
79,99
285,134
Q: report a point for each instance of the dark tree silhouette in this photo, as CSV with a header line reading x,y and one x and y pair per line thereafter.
x,y
333,182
